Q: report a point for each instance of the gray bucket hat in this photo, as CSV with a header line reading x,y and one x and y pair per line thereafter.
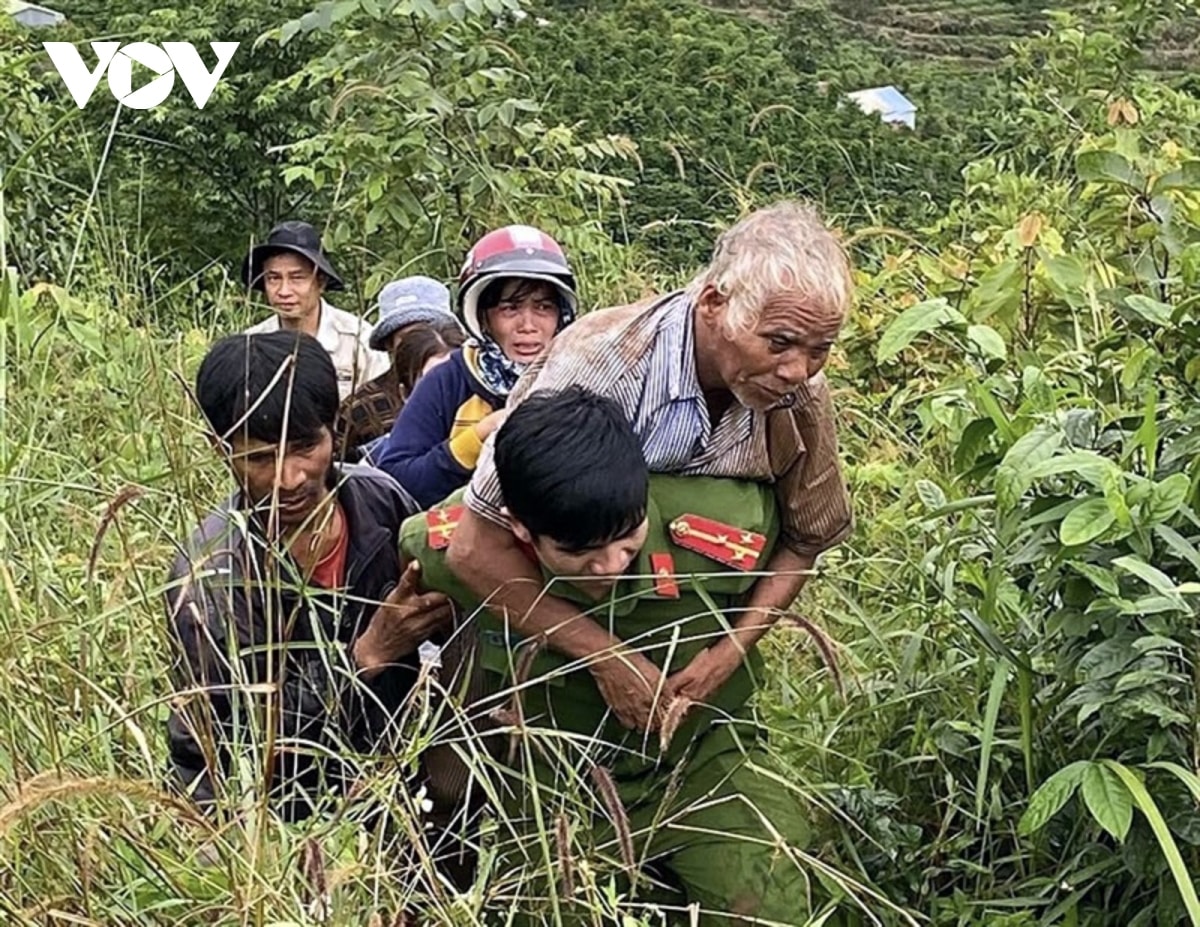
x,y
408,301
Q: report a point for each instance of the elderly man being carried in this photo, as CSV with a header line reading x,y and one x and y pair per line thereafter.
x,y
722,379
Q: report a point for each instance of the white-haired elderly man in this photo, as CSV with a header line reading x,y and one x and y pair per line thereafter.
x,y
720,379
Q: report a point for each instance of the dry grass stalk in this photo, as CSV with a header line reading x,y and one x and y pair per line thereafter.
x,y
824,644
50,787
566,862
676,710
123,497
607,788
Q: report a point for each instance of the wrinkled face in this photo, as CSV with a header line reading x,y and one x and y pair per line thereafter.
x,y
524,320
292,285
296,484
764,365
599,568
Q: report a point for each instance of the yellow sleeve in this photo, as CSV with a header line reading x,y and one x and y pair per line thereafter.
x,y
465,447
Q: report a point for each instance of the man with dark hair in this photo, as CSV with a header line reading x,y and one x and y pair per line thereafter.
x,y
662,564
272,594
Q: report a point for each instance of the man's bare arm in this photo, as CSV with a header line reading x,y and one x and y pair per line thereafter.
x,y
486,559
787,571
772,595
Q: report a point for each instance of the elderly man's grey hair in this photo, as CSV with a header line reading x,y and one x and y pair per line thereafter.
x,y
781,248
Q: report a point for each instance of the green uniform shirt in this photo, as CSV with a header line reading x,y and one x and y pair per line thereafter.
x,y
669,631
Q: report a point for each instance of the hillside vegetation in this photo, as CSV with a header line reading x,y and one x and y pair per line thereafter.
x,y
1008,733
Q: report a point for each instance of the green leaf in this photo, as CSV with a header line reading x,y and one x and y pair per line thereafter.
x,y
930,494
1179,545
1108,167
1099,577
974,438
988,340
1108,800
988,736
1086,522
1013,474
998,289
1131,372
1153,577
1067,274
913,321
1185,177
1086,465
1051,795
1179,869
1167,496
1150,309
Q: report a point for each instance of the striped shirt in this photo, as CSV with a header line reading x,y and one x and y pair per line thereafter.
x,y
643,357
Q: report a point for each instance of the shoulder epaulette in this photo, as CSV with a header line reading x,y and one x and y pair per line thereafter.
x,y
441,524
726,544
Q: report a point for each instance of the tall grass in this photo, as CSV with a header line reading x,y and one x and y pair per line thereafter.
x,y
105,470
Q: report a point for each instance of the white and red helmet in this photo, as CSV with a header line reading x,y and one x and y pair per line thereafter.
x,y
513,251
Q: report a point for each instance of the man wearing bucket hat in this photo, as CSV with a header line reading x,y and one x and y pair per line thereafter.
x,y
516,293
293,272
417,329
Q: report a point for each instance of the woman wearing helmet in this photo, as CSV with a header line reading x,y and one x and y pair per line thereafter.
x,y
516,292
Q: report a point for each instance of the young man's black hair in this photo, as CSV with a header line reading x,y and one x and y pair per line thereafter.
x,y
282,376
571,468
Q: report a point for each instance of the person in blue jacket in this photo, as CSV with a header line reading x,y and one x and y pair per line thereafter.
x,y
516,292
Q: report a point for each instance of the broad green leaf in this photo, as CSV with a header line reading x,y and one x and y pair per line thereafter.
x,y
1151,310
1108,167
1152,576
1108,658
1067,274
1167,496
1086,522
289,31
987,402
988,340
1111,484
1099,577
1179,869
1131,372
1185,177
930,494
1108,800
1179,545
1051,795
1032,449
1087,465
913,321
998,290
974,439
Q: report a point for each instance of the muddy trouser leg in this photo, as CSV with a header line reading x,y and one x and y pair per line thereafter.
x,y
733,832
722,830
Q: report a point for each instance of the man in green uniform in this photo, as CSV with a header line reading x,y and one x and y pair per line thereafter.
x,y
663,564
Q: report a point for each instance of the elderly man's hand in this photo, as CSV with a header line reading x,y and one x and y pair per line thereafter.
x,y
630,685
705,674
403,621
